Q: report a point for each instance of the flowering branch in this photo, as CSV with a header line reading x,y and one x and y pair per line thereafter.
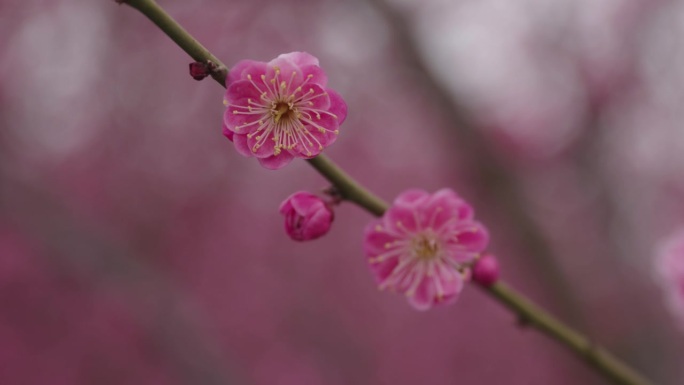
x,y
532,315
490,181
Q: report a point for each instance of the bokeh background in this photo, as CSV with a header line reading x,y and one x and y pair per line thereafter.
x,y
137,247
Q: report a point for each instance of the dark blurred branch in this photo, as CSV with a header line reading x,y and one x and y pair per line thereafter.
x,y
597,357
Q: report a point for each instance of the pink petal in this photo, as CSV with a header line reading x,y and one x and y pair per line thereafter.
x,y
319,223
401,221
276,162
306,202
228,133
315,98
467,241
286,205
290,73
265,150
452,285
326,138
444,206
474,237
382,270
317,75
337,106
375,241
240,142
307,152
240,122
411,198
244,67
299,58
424,296
241,90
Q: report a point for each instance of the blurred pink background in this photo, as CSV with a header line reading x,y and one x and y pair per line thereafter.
x,y
137,247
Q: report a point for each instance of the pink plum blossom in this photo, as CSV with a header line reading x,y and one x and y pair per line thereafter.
x,y
670,270
307,216
281,110
423,245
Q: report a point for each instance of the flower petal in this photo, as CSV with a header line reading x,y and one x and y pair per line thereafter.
x,y
266,148
411,198
305,202
312,98
317,75
338,106
228,133
244,67
376,239
277,161
424,295
443,207
240,142
401,221
242,90
300,58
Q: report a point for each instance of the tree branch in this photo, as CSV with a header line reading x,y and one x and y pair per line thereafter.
x,y
604,362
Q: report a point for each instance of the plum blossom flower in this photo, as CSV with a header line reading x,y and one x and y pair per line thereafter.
x,y
670,272
307,216
423,245
281,110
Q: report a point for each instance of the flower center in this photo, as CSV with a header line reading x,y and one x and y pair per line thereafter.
x,y
425,247
282,110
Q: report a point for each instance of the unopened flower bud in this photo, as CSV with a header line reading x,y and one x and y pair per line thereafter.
x,y
199,70
486,270
307,216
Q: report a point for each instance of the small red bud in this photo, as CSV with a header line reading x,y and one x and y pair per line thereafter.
x,y
199,70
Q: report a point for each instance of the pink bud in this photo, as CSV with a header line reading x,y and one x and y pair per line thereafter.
x,y
307,216
486,270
